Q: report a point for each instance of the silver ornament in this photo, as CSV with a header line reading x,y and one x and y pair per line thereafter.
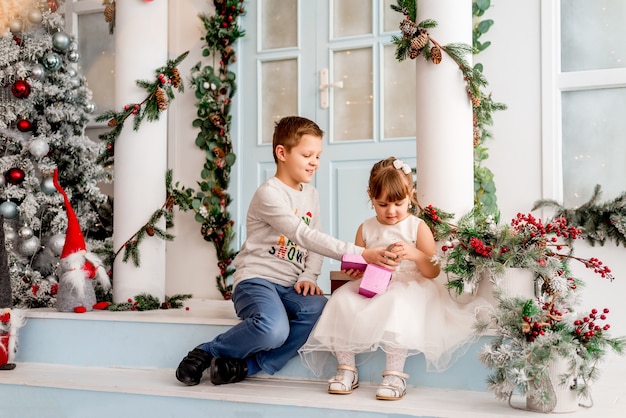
x,y
73,56
29,247
72,72
8,209
61,41
38,72
26,232
38,148
52,61
47,186
35,16
90,107
56,243
15,26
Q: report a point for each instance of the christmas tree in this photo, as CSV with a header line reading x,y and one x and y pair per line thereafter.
x,y
45,105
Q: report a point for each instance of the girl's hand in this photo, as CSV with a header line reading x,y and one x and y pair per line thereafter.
x,y
307,288
403,251
381,257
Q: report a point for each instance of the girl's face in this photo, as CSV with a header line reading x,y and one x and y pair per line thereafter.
x,y
390,213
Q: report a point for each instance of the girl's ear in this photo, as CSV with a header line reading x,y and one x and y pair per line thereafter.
x,y
280,152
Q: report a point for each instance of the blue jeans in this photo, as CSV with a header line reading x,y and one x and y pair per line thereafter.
x,y
276,322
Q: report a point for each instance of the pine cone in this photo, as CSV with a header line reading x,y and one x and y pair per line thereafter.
x,y
161,99
175,78
420,40
435,54
475,136
109,12
408,27
475,100
112,122
150,230
413,53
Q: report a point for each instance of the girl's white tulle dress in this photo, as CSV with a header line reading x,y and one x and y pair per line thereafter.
x,y
414,313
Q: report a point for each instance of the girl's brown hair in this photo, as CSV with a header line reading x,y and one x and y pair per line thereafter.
x,y
391,182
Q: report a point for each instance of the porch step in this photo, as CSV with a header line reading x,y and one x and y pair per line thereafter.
x,y
55,391
102,364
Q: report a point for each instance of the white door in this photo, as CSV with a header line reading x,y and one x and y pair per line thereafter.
x,y
288,44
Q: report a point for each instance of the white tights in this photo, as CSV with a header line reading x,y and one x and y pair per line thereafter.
x,y
395,359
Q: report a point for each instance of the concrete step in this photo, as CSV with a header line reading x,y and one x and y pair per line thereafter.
x,y
160,339
103,364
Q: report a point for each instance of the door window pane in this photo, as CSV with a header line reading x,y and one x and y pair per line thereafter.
x,y
352,112
593,34
279,94
399,96
97,59
352,17
279,23
593,144
391,18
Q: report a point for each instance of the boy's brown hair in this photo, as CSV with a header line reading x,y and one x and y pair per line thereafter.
x,y
289,130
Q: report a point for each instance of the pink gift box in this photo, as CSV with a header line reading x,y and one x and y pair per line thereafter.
x,y
375,280
353,262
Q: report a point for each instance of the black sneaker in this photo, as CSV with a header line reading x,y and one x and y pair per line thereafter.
x,y
227,370
191,367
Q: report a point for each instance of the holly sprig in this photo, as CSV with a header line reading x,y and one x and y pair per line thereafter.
x,y
160,94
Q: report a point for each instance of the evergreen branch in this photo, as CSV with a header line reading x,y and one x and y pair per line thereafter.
x,y
160,94
600,222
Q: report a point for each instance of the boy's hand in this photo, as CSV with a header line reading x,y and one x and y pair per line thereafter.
x,y
353,274
307,288
381,257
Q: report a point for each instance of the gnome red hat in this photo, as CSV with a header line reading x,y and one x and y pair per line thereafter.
x,y
74,240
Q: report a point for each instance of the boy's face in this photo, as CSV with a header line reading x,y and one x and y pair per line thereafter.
x,y
299,164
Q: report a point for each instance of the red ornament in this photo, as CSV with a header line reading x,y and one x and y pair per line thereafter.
x,y
20,89
53,5
14,175
24,125
17,40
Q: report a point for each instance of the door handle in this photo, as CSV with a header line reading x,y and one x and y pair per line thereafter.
x,y
325,86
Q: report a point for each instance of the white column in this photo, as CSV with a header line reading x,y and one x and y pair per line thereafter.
x,y
445,176
140,156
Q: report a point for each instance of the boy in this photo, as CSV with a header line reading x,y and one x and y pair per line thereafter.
x,y
275,283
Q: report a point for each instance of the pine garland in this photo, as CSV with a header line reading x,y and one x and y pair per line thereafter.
x,y
215,88
600,222
160,93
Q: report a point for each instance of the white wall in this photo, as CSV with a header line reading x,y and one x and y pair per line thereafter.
x,y
512,67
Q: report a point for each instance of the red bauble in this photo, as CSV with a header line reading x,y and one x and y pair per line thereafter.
x,y
53,5
14,175
24,125
20,89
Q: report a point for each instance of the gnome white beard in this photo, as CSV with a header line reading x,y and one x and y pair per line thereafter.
x,y
73,273
101,275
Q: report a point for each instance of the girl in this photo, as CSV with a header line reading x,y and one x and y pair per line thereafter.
x,y
415,313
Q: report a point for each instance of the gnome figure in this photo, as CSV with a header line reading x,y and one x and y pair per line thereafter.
x,y
78,267
10,320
